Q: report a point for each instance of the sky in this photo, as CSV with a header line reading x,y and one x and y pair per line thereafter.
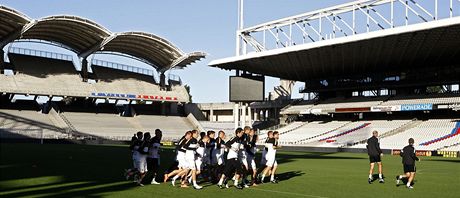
x,y
192,25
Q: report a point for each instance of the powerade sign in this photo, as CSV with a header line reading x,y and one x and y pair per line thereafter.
x,y
132,96
416,107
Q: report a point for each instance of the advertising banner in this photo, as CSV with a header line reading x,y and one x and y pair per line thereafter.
x,y
416,107
386,108
351,110
133,96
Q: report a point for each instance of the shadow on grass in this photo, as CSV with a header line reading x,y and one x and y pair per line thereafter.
x,y
71,170
289,175
56,170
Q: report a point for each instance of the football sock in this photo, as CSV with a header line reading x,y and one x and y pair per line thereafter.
x,y
221,181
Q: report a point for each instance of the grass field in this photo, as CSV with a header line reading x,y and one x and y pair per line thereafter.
x,y
33,170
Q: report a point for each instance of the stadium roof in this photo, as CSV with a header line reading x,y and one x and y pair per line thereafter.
x,y
410,47
77,33
151,48
86,37
11,21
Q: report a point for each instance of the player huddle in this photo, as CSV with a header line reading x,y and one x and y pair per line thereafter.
x,y
207,156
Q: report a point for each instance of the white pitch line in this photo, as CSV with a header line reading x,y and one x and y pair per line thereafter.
x,y
288,193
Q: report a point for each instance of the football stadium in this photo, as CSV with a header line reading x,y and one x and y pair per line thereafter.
x,y
87,110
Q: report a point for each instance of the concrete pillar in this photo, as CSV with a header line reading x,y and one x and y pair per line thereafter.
x,y
249,116
211,114
162,81
84,69
163,108
173,109
243,115
235,114
267,115
2,60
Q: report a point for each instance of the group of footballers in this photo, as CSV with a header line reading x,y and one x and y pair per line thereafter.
x,y
408,160
145,151
206,156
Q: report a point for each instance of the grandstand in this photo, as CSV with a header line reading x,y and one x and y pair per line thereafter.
x,y
86,98
394,75
29,123
34,75
217,126
115,127
413,92
426,131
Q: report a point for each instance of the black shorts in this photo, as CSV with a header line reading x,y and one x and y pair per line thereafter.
x,y
374,158
409,168
152,164
232,166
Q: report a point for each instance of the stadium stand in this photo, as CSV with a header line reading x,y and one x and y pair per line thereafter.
x,y
346,132
341,132
355,102
428,99
344,129
433,134
108,126
110,80
114,127
217,126
296,106
28,123
352,102
363,131
446,140
309,131
118,81
45,76
426,131
285,129
173,127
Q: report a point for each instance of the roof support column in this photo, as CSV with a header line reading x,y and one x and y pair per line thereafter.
x,y
84,69
2,61
162,81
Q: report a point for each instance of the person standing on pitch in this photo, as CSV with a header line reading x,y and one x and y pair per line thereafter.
x,y
374,152
408,160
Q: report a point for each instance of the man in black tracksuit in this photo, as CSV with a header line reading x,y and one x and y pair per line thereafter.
x,y
374,152
408,160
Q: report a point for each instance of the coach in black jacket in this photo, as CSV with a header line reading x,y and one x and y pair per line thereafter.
x,y
374,152
408,160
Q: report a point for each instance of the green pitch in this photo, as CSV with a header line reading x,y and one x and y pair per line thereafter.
x,y
33,170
